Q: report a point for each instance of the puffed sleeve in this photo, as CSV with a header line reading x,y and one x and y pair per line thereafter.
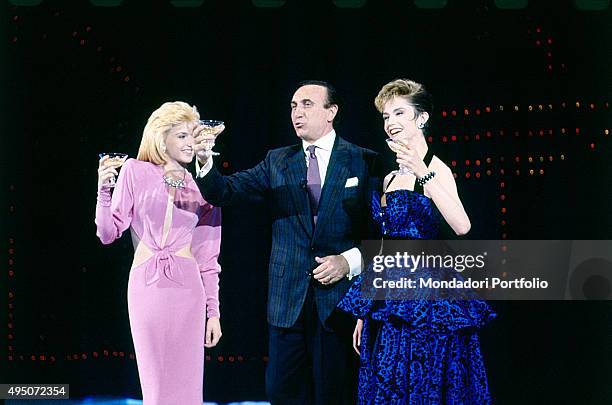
x,y
114,212
205,246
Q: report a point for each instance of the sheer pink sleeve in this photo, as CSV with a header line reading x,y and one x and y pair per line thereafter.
x,y
205,246
114,213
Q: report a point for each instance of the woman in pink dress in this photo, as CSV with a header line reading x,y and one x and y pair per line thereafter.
x,y
173,286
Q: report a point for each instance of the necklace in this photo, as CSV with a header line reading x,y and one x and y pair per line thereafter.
x,y
174,182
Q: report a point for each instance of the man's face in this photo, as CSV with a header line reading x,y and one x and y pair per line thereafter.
x,y
309,116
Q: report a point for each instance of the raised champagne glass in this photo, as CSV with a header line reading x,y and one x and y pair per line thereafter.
x,y
114,158
211,128
403,170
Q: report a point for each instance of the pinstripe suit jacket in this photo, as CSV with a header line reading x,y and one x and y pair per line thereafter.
x,y
343,219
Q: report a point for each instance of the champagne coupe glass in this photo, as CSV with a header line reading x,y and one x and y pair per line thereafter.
x,y
403,170
211,127
113,158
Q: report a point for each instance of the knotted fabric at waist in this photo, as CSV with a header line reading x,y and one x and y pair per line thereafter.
x,y
161,262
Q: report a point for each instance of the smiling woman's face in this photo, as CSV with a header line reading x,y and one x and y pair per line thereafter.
x,y
179,143
400,119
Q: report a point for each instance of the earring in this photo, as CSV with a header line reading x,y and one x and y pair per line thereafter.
x,y
163,147
421,126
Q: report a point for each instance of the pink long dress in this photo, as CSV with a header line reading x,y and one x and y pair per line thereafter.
x,y
174,280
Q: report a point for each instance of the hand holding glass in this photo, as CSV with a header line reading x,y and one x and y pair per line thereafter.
x,y
211,128
115,159
403,170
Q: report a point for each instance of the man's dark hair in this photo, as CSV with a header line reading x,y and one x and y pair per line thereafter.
x,y
332,96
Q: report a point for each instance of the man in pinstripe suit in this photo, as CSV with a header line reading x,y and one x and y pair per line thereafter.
x,y
319,193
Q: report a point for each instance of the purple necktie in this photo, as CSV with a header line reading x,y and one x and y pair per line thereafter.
x,y
313,184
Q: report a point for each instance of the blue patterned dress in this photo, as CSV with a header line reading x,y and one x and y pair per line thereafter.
x,y
417,351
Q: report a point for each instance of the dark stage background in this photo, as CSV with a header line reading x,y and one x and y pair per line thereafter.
x,y
522,116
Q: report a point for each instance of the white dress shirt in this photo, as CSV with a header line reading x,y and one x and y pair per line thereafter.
x,y
323,150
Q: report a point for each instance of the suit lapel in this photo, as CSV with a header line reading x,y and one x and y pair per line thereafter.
x,y
335,179
296,175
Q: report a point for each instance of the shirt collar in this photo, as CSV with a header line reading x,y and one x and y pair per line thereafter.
x,y
326,142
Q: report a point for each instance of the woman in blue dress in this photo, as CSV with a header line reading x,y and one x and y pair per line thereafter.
x,y
417,351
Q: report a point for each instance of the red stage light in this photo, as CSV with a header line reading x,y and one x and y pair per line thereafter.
x,y
453,138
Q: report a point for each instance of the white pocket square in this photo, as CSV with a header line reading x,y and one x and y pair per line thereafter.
x,y
352,182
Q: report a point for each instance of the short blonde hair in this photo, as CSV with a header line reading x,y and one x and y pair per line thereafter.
x,y
412,91
158,125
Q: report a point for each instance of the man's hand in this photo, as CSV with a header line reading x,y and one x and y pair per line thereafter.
x,y
331,269
213,332
204,141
